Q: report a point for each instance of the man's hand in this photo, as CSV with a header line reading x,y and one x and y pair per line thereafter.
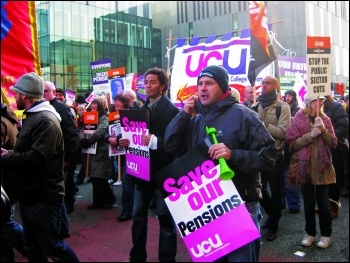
x,y
219,150
123,142
190,104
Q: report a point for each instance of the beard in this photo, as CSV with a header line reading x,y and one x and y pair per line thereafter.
x,y
20,104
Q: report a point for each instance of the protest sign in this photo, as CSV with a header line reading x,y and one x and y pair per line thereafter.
x,y
209,212
115,131
318,66
134,123
90,125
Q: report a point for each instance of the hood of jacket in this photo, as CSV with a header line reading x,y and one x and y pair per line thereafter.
x,y
43,106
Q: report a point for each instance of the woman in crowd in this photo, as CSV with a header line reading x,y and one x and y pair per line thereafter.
x,y
310,137
121,102
100,165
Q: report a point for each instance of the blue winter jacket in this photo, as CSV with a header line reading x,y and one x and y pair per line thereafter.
x,y
252,147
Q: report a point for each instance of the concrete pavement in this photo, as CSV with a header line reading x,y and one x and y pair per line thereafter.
x,y
97,236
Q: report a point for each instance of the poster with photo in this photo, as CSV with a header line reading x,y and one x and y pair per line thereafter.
x,y
92,148
117,82
115,130
90,125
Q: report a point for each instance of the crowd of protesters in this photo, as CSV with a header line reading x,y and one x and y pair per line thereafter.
x,y
305,156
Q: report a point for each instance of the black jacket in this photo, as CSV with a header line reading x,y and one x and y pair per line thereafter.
x,y
69,130
159,117
339,118
37,160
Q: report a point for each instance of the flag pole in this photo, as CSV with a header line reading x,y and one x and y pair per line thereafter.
x,y
277,71
168,56
119,169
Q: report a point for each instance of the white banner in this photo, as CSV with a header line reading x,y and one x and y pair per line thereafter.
x,y
189,60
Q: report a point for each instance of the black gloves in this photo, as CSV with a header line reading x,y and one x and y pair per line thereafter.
x,y
84,143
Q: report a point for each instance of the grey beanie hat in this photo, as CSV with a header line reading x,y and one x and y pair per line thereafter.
x,y
31,85
217,73
312,98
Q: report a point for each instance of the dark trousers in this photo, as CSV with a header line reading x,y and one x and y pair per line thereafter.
x,y
128,189
114,170
346,172
272,203
102,192
82,174
70,185
320,194
338,164
290,194
167,235
42,223
11,238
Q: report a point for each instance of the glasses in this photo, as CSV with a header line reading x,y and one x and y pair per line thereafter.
x,y
47,90
266,82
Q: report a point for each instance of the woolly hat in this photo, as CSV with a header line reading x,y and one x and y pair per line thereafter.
x,y
61,91
217,73
31,85
312,98
292,93
80,99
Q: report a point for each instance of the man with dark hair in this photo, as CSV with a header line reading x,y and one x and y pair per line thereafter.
x,y
161,112
290,193
60,95
245,143
37,164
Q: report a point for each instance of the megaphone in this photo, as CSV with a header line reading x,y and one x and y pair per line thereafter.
x,y
225,171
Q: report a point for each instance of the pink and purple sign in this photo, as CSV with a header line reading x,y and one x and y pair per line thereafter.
x,y
134,123
209,212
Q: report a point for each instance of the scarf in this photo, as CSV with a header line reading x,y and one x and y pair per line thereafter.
x,y
266,99
299,167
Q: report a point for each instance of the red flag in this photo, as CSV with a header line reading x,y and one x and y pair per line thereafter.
x,y
19,44
261,49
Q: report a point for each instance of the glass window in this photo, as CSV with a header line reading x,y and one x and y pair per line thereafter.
x,y
133,35
106,30
140,38
122,33
147,37
98,35
56,26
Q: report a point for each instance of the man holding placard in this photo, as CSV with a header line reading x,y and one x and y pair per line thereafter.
x,y
245,144
161,112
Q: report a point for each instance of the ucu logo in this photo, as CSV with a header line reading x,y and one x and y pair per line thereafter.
x,y
132,166
206,246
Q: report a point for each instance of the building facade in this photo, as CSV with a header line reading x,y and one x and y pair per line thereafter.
x,y
291,22
73,33
138,35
